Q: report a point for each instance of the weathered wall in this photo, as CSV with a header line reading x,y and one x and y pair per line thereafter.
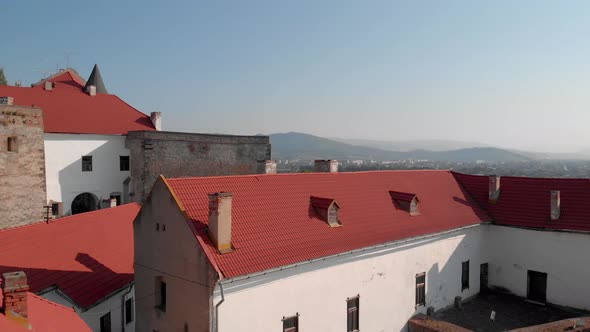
x,y
22,173
166,248
65,179
383,277
183,154
115,304
562,255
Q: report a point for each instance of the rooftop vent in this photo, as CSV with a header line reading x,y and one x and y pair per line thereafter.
x,y
326,166
327,209
555,205
91,90
493,188
6,101
408,202
220,209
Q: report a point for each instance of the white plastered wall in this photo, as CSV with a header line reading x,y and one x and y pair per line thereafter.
x,y
63,166
562,255
384,278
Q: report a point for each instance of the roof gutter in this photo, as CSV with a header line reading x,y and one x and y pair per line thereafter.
x,y
377,246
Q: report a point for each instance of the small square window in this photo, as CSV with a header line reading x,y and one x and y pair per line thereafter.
x,y
124,163
421,289
352,321
12,144
86,163
128,311
465,275
105,323
291,324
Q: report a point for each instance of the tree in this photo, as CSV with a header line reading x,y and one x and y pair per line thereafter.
x,y
2,77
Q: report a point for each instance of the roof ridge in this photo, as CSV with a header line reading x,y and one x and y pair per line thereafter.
x,y
51,302
309,174
534,178
65,218
135,109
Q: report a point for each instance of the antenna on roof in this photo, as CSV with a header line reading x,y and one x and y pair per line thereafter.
x,y
67,54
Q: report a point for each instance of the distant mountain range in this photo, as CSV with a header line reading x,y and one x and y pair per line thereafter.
x,y
308,147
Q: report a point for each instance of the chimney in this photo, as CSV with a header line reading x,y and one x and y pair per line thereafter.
x,y
220,220
326,166
555,205
15,288
91,90
6,101
113,202
48,86
18,84
494,188
268,167
156,118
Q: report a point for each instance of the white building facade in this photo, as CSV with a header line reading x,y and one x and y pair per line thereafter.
x,y
102,174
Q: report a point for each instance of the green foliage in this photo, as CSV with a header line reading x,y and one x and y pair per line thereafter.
x,y
2,77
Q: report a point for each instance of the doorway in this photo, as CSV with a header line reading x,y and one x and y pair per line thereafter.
x,y
537,286
84,202
483,278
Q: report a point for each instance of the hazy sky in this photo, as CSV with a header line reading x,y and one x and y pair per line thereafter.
x,y
507,73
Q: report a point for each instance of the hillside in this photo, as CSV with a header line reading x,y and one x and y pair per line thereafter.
x,y
308,147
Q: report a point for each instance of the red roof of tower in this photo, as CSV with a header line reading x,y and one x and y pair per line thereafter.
x,y
88,256
68,109
272,225
526,202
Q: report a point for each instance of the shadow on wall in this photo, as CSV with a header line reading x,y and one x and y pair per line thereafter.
x,y
40,279
104,179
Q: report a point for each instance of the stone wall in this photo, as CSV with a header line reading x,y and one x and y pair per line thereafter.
x,y
22,170
184,154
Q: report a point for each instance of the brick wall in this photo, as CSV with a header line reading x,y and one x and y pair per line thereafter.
x,y
22,171
183,154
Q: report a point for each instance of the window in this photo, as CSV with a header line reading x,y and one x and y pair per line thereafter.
x,y
465,275
162,297
105,323
12,144
86,163
116,197
291,324
124,163
352,306
420,289
128,311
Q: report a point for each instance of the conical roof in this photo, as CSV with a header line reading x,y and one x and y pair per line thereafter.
x,y
96,80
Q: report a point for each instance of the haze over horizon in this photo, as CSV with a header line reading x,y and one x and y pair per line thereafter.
x,y
507,74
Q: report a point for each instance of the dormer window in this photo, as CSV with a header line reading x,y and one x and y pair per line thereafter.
x,y
326,209
408,202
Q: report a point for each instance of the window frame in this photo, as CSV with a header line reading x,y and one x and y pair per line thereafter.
x,y
353,325
162,294
88,163
295,323
129,311
104,320
465,275
420,290
124,161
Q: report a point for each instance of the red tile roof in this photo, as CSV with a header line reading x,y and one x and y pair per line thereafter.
x,y
273,225
67,109
87,256
46,316
526,202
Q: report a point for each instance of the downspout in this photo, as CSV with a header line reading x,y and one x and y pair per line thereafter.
x,y
216,311
123,308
